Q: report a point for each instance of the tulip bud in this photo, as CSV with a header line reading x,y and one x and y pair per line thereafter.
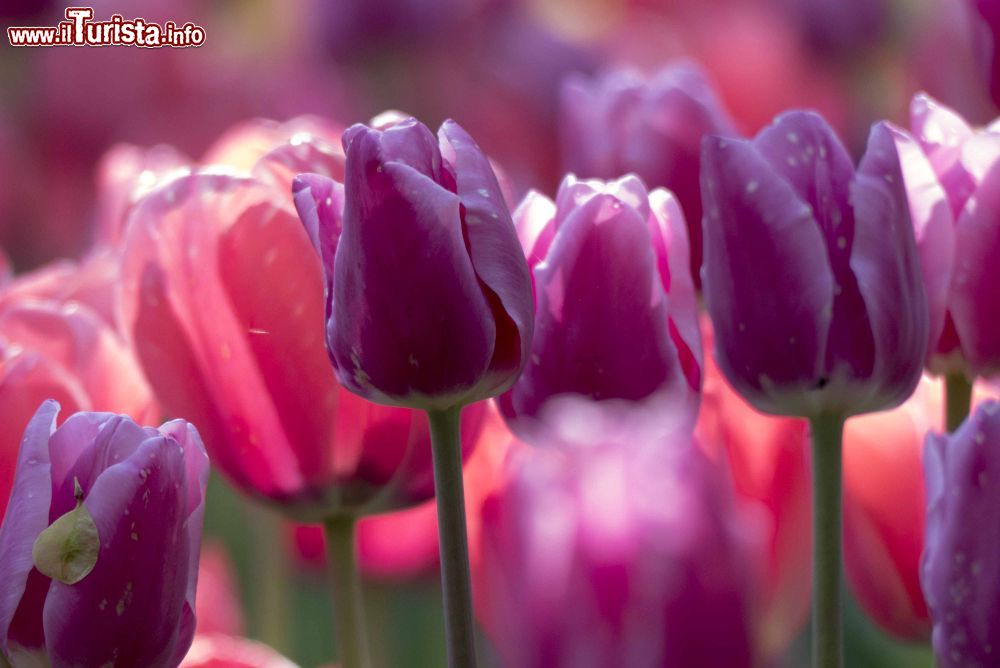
x,y
620,123
811,274
128,599
952,177
429,297
614,556
960,570
616,317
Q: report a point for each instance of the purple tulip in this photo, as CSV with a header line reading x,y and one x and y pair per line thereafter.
x,y
615,556
960,571
616,320
811,276
985,35
952,176
143,491
621,122
429,297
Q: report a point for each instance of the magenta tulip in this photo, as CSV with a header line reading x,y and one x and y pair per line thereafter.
x,y
616,316
812,277
614,556
123,591
429,297
960,570
622,122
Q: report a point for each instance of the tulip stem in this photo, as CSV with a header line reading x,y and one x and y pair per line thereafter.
x,y
348,611
958,399
827,434
447,450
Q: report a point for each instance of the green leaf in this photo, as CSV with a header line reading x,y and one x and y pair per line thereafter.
x,y
67,550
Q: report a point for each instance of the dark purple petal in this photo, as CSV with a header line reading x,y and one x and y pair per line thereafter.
x,y
768,284
496,256
83,447
805,150
405,289
27,516
884,258
128,609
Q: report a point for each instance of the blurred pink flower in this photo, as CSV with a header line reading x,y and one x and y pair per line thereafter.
x,y
217,602
215,650
884,507
628,554
769,460
403,545
55,342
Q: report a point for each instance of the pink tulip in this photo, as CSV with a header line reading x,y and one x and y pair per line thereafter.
x,y
224,300
616,317
62,350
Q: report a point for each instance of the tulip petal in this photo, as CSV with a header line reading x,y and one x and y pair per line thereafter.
x,y
319,202
933,226
603,318
196,472
767,278
27,516
496,255
942,133
807,152
670,238
975,288
535,221
175,233
403,248
884,258
141,573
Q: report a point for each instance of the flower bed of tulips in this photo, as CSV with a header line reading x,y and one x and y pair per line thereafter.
x,y
671,342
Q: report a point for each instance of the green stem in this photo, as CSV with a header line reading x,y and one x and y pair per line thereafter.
x,y
348,610
827,434
448,486
958,399
271,581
